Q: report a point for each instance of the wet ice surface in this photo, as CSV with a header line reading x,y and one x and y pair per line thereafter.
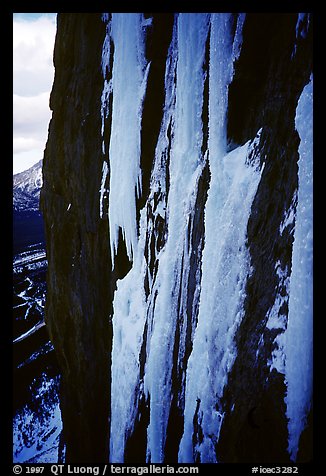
x,y
37,418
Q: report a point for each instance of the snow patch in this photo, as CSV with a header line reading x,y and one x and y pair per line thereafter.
x,y
36,434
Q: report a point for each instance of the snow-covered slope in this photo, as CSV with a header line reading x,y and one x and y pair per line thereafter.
x,y
26,188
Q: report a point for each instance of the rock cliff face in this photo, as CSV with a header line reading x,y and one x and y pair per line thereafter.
x,y
171,199
79,300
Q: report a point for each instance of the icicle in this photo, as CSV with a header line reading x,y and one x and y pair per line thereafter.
x,y
129,78
128,86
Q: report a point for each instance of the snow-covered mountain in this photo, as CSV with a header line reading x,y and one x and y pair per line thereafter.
x,y
26,188
27,219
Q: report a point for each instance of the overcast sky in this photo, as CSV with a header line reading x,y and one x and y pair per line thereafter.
x,y
33,72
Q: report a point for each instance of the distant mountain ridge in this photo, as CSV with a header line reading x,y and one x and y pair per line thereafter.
x,y
28,228
26,188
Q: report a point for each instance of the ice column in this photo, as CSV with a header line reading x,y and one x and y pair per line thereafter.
x,y
186,164
234,181
299,333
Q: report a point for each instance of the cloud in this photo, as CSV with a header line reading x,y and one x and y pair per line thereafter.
x,y
33,72
30,114
26,144
33,55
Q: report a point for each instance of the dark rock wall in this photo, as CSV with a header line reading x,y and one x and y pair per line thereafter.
x,y
79,295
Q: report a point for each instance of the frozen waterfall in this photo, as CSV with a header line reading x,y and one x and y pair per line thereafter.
x,y
177,311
